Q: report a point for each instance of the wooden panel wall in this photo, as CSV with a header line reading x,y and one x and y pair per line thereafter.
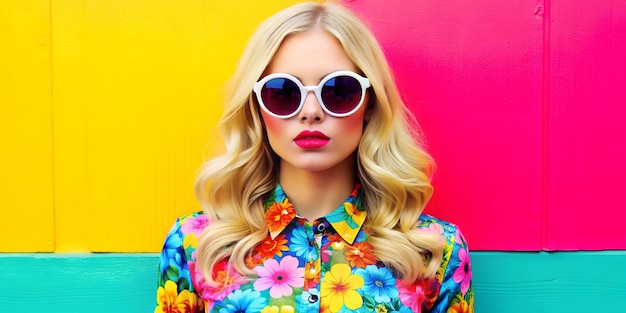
x,y
523,106
505,282
26,142
106,109
587,126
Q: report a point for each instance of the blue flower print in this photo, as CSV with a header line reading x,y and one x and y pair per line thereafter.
x,y
378,283
337,216
279,194
308,297
300,244
172,251
248,301
359,281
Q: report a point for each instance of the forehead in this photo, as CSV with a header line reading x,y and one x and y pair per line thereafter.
x,y
311,54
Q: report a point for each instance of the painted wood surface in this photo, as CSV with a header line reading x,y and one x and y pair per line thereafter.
x,y
512,282
106,109
587,126
523,106
26,143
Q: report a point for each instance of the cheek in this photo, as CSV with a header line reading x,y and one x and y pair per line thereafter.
x,y
355,123
272,126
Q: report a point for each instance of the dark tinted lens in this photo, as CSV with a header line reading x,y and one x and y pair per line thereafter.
x,y
341,94
281,96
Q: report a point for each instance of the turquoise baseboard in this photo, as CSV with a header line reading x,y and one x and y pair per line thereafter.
x,y
505,282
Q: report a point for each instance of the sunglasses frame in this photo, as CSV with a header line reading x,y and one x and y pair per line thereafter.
x,y
317,90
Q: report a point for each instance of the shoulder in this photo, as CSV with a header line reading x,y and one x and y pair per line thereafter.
x,y
454,243
192,224
454,276
180,244
182,238
451,232
177,273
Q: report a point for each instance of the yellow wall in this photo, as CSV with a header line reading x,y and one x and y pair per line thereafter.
x,y
106,108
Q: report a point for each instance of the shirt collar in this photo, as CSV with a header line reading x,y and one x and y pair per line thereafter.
x,y
347,219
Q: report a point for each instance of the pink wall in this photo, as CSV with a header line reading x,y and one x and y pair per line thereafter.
x,y
526,119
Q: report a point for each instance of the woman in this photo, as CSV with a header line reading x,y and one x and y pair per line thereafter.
x,y
316,205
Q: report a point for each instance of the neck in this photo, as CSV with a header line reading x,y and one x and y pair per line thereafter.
x,y
315,194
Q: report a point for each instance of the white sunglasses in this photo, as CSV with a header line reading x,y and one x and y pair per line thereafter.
x,y
340,93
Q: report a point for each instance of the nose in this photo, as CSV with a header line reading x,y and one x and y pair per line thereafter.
x,y
312,109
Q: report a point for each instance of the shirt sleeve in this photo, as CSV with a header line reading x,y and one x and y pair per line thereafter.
x,y
456,294
175,292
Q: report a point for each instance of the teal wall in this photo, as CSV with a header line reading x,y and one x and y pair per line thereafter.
x,y
505,282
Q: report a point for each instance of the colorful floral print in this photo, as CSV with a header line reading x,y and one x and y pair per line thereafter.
x,y
246,301
340,287
463,273
170,300
360,254
327,265
379,283
279,278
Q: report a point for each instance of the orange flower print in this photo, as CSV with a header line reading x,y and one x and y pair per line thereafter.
x,y
352,210
461,307
311,274
324,308
170,301
279,214
253,260
334,238
360,255
271,247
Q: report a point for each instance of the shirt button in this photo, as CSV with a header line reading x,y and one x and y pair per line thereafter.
x,y
313,298
321,227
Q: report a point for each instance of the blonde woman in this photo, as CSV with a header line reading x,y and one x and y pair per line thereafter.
x,y
316,205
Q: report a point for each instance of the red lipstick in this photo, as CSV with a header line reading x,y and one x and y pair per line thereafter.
x,y
311,139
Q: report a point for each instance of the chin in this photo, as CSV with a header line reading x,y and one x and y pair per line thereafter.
x,y
318,166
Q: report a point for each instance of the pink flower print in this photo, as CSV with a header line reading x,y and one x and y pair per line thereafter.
x,y
463,273
434,228
459,238
279,278
411,295
195,225
326,254
225,276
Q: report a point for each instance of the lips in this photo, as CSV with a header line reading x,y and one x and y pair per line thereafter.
x,y
311,139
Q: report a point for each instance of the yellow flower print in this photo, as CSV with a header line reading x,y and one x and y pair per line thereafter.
x,y
339,289
190,241
338,245
380,309
353,211
270,309
460,307
275,309
170,301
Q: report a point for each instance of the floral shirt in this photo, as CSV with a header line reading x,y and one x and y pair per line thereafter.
x,y
324,266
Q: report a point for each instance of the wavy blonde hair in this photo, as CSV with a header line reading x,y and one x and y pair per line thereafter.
x,y
392,167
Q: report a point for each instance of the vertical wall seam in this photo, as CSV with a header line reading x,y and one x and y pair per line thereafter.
x,y
545,131
52,132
